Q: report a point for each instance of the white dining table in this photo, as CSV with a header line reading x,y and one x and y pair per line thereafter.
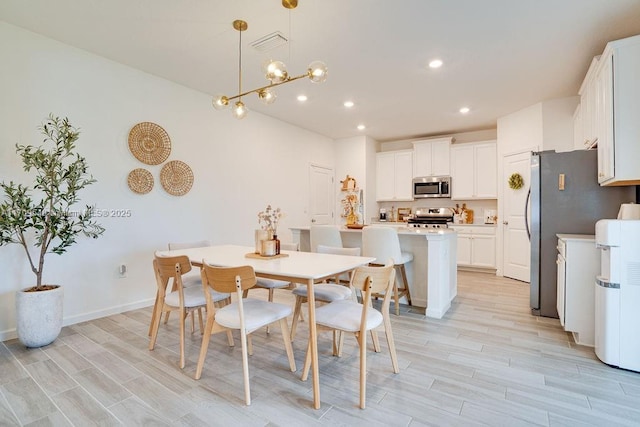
x,y
304,268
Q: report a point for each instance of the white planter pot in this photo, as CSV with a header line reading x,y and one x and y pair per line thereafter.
x,y
39,316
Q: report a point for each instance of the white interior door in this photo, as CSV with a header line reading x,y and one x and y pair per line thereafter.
x,y
322,199
517,248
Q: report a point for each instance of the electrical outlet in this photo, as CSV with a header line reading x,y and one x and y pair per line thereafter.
x,y
122,270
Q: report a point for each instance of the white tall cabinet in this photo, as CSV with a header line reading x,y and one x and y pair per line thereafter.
x,y
394,174
474,171
432,157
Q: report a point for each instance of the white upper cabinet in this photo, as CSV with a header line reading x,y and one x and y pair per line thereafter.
x,y
432,157
618,120
588,108
394,175
474,171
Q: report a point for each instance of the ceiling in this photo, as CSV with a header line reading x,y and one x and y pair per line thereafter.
x,y
499,55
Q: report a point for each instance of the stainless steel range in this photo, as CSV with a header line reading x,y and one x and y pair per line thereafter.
x,y
431,218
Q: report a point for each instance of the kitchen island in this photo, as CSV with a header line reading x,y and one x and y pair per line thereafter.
x,y
432,275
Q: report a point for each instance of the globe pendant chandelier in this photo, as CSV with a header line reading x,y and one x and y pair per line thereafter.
x,y
275,72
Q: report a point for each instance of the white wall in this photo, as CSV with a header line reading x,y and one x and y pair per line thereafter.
x,y
239,167
557,121
356,157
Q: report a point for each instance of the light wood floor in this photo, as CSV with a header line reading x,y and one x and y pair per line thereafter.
x,y
488,362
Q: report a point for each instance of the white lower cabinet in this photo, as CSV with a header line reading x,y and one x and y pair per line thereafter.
x,y
476,246
578,265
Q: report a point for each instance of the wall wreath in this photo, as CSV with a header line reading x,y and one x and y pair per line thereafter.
x,y
516,181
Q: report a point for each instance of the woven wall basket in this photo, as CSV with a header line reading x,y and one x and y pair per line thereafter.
x,y
176,178
140,181
149,143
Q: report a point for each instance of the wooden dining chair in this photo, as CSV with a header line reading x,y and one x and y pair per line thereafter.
x,y
323,292
190,279
358,318
272,284
244,314
182,299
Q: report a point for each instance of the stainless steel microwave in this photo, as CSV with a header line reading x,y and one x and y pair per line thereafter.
x,y
431,186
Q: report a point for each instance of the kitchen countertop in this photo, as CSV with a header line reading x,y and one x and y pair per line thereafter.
x,y
405,224
589,237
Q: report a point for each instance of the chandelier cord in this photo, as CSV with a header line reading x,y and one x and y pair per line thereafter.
x,y
240,66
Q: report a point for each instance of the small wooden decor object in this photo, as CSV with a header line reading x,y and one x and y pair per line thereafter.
x,y
258,256
403,214
176,178
140,181
349,183
149,143
355,226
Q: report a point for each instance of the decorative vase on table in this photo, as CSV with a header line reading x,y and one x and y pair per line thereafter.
x,y
275,237
260,235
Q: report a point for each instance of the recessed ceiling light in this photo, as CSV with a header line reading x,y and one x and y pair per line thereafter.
x,y
302,98
436,63
348,104
464,110
361,127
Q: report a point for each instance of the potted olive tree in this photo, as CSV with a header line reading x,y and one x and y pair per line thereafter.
x,y
41,219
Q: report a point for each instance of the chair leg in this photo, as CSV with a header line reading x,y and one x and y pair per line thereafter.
x,y
396,298
362,338
403,273
193,322
182,326
205,345
166,317
157,315
154,313
307,364
250,344
270,300
284,328
297,310
391,343
340,343
245,367
200,320
375,340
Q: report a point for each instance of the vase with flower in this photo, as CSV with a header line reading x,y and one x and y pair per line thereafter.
x,y
268,220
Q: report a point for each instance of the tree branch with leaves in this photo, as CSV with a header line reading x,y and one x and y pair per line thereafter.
x,y
41,215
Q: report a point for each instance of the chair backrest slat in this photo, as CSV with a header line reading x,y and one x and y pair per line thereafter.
x,y
167,265
377,277
223,279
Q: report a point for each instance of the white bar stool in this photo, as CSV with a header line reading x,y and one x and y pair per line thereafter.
x,y
382,243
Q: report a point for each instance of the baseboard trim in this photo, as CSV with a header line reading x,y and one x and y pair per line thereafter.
x,y
10,334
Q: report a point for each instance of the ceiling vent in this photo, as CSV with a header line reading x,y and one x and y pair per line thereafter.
x,y
268,42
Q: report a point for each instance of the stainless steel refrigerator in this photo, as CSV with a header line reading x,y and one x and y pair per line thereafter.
x,y
572,210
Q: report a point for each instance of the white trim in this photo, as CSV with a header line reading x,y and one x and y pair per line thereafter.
x,y
12,334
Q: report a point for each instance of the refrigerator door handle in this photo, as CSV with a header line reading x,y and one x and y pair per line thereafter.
x,y
526,212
